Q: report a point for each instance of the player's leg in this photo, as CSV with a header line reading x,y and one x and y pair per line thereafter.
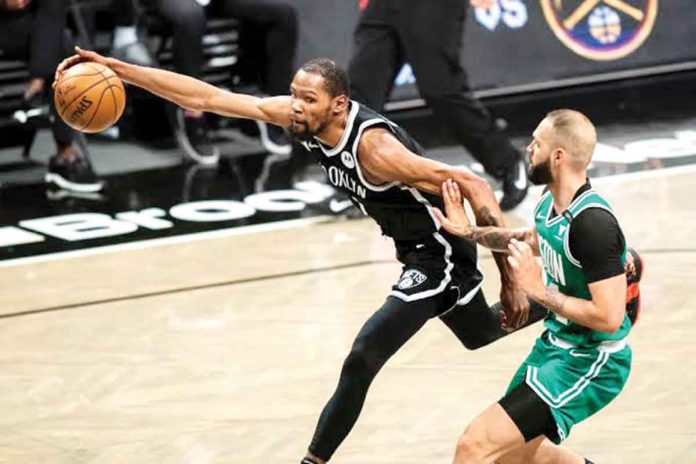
x,y
541,451
381,336
477,324
514,430
188,25
377,56
432,34
276,21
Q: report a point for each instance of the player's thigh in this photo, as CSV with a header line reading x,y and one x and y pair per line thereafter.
x,y
373,66
392,325
490,435
524,454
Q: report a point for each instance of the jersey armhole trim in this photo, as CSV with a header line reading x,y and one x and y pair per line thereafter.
x,y
365,125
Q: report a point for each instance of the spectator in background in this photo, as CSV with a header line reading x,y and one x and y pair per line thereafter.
x,y
125,43
428,35
269,38
35,30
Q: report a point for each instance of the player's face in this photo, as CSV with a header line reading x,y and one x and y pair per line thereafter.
x,y
540,150
312,106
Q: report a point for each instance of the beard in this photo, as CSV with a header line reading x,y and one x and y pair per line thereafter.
x,y
540,174
307,134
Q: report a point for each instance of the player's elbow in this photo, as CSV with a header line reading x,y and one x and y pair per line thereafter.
x,y
612,321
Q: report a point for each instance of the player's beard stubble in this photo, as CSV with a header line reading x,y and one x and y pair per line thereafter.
x,y
540,174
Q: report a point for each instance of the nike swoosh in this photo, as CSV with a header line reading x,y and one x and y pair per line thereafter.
x,y
338,206
521,182
579,355
420,245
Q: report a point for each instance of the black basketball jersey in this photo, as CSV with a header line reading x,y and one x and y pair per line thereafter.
x,y
401,211
434,261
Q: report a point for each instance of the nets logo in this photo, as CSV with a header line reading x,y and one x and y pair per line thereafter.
x,y
601,30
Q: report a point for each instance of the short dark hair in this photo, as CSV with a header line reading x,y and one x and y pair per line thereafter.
x,y
335,76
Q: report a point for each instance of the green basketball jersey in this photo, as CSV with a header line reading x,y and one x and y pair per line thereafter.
x,y
563,272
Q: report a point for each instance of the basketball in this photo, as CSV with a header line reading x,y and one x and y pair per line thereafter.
x,y
90,97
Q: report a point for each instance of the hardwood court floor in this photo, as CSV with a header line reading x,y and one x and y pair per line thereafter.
x,y
195,352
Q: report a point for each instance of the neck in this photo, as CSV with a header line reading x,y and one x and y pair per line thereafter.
x,y
332,134
564,188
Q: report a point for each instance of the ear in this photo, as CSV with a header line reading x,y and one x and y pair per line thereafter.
x,y
558,154
339,104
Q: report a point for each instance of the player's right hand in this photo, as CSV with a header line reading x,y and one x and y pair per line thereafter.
x,y
456,221
80,56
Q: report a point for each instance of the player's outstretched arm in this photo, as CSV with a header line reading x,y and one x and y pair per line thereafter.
x,y
189,93
456,222
384,159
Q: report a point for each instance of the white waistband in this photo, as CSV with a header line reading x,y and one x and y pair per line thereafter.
x,y
608,346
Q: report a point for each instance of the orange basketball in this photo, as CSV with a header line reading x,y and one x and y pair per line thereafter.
x,y
90,97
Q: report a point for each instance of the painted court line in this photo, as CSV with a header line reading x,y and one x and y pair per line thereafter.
x,y
280,225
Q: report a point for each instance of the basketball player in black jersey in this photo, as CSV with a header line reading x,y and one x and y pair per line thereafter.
x,y
383,171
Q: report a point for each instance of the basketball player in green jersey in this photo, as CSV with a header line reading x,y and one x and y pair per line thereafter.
x,y
581,361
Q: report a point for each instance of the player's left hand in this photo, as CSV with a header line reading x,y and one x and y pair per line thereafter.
x,y
456,221
525,268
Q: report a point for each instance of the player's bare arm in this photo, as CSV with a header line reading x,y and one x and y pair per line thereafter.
x,y
456,222
604,313
190,93
384,159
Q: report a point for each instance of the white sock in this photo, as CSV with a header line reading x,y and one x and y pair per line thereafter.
x,y
124,36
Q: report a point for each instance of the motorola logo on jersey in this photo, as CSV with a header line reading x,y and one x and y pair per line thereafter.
x,y
347,160
340,178
601,30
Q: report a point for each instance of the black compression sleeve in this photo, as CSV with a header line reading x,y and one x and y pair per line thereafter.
x,y
597,242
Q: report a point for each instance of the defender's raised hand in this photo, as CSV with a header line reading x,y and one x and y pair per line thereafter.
x,y
455,221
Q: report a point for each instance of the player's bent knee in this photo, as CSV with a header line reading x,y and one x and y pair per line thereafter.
x,y
359,363
470,449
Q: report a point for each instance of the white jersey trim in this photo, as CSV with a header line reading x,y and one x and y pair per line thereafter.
x,y
559,216
358,170
346,133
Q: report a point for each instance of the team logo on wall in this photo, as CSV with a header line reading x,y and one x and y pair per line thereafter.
x,y
601,30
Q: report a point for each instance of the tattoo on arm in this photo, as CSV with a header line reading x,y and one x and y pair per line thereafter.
x,y
553,300
488,235
495,238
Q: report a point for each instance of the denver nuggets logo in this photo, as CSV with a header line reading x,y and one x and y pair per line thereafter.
x,y
601,30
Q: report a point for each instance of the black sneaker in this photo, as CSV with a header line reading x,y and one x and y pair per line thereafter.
x,y
515,184
194,140
274,138
76,175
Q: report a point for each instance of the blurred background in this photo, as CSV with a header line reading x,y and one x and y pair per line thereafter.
x,y
630,65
